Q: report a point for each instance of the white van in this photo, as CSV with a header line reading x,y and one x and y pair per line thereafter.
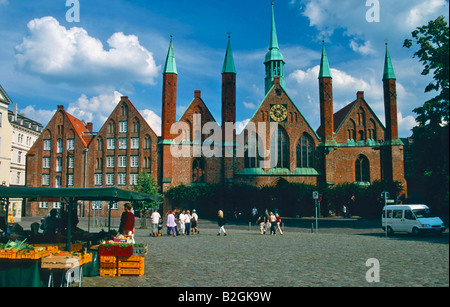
x,y
410,218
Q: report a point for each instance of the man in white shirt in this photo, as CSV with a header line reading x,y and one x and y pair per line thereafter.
x,y
182,219
155,217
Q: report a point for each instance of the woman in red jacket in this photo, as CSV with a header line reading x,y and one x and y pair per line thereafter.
x,y
127,227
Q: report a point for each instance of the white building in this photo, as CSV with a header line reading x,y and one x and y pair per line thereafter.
x,y
25,133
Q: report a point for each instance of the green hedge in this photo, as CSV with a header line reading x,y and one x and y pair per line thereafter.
x,y
290,199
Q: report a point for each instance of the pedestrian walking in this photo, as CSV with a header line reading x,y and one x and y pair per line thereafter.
x,y
267,226
171,224
262,223
221,221
273,223
182,221
344,211
278,217
194,222
187,222
155,217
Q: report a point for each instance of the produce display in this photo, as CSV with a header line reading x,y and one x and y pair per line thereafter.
x,y
118,258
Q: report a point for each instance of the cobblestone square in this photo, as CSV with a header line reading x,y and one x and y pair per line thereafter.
x,y
334,257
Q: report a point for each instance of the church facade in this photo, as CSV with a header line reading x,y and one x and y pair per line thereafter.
x,y
351,144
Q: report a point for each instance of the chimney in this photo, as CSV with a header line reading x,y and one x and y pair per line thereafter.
x,y
197,94
60,107
90,127
15,111
360,95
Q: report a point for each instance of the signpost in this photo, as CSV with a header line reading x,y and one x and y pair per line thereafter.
x,y
385,195
316,200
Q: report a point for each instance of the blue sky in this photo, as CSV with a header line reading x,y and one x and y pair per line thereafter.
x,y
119,47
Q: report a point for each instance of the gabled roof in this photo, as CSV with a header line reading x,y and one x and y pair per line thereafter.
x,y
80,129
198,102
4,97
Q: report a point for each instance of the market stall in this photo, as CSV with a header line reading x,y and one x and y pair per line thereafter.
x,y
70,196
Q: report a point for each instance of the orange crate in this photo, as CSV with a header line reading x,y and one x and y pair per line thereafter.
x,y
33,254
131,258
108,259
108,272
8,254
131,264
110,265
129,271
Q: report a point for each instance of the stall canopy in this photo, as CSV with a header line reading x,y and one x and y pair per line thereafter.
x,y
107,194
72,195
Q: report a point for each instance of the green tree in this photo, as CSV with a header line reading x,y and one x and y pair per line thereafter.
x,y
146,184
431,147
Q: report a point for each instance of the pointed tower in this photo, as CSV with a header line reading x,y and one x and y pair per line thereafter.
x,y
390,100
392,149
169,96
169,107
228,114
228,87
274,59
326,101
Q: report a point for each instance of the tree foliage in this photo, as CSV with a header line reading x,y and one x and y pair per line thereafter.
x,y
146,184
431,144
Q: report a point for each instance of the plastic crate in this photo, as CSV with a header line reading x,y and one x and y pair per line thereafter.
x,y
131,264
108,272
108,259
123,251
106,250
108,265
131,258
130,271
8,254
140,250
32,254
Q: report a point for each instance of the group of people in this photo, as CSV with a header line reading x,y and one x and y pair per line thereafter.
x,y
270,220
188,223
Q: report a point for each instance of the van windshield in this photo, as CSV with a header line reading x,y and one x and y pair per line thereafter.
x,y
422,213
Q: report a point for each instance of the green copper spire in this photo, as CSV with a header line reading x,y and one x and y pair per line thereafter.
x,y
324,65
274,53
274,60
228,64
388,68
171,66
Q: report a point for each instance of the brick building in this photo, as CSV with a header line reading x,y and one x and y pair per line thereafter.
x,y
351,145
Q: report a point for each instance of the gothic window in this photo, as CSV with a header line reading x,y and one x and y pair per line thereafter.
x,y
305,151
251,152
362,169
198,170
351,130
124,110
282,148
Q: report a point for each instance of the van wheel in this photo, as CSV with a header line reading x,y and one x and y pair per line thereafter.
x,y
390,232
415,232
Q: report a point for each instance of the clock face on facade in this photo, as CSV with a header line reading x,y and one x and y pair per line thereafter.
x,y
278,112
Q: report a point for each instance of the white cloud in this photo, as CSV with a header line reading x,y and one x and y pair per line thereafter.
x,y
39,115
153,120
96,109
405,124
397,18
4,2
364,49
250,105
57,54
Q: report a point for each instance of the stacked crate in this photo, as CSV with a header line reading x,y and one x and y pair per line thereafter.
x,y
108,266
132,265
